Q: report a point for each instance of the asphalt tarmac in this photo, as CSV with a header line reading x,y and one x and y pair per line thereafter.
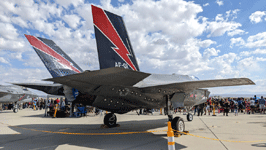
x,y
29,129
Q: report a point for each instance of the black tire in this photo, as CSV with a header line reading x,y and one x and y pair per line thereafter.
x,y
110,120
189,117
15,110
178,124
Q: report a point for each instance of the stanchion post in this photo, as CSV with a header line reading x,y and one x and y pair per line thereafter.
x,y
171,139
161,111
213,111
55,110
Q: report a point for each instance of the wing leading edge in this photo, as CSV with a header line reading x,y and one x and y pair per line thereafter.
x,y
54,89
193,85
125,77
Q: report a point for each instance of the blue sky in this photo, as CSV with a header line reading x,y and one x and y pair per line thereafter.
x,y
210,39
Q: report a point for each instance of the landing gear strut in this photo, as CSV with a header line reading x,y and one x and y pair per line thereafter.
x,y
15,107
177,123
110,120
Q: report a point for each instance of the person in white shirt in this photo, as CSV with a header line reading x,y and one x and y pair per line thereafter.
x,y
252,105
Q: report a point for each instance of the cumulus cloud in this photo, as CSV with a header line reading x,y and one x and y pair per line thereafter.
x,y
257,51
3,60
223,24
237,42
236,32
219,2
67,3
72,20
206,4
257,16
210,52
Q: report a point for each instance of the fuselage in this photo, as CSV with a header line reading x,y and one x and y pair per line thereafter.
x,y
121,99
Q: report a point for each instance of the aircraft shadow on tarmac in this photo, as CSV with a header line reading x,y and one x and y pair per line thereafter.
x,y
263,123
28,139
259,144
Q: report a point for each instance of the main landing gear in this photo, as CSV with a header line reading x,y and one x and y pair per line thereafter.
x,y
177,123
110,120
189,117
15,107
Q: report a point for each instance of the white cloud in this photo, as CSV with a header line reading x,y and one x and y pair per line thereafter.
x,y
249,64
257,16
223,24
3,60
121,1
206,43
207,4
257,51
66,3
72,20
210,52
222,66
219,2
8,31
237,42
236,32
258,40
253,41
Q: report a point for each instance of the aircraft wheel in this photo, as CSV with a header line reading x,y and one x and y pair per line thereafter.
x,y
15,110
110,120
178,124
189,117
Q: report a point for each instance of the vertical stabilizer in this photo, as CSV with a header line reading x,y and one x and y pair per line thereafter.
x,y
54,58
113,44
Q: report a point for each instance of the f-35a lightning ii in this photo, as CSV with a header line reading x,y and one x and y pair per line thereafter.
x,y
15,94
119,86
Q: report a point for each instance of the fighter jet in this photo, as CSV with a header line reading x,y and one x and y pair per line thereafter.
x,y
15,94
119,86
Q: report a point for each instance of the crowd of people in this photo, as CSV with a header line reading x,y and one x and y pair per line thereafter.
x,y
233,105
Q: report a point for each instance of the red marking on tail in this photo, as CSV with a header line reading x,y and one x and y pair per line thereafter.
x,y
102,22
35,42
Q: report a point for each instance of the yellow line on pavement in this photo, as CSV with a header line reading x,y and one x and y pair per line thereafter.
x,y
138,132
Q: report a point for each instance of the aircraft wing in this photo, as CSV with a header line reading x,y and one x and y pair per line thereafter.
x,y
192,85
125,77
55,89
109,76
3,93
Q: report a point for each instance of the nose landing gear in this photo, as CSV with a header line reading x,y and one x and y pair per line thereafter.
x,y
110,120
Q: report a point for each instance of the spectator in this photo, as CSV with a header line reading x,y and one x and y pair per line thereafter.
x,y
195,109
226,106
240,106
200,109
261,104
252,105
57,101
236,109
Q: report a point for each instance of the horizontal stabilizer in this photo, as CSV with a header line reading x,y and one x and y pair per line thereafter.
x,y
54,89
109,76
192,85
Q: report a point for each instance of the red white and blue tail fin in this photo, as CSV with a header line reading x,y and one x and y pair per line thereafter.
x,y
54,58
113,44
